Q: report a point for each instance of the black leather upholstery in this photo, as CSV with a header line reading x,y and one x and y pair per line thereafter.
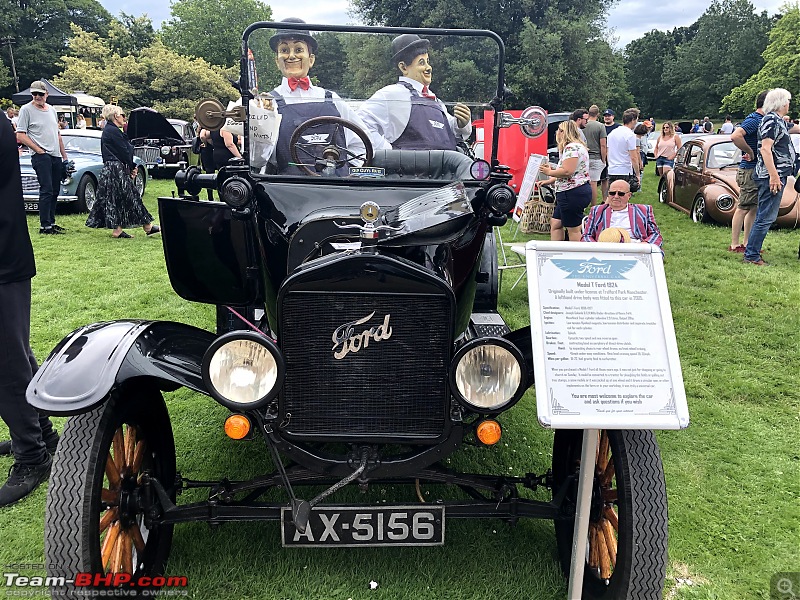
x,y
423,164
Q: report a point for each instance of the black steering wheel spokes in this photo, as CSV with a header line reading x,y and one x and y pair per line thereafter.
x,y
315,146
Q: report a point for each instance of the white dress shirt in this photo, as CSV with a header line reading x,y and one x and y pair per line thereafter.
x,y
316,93
387,112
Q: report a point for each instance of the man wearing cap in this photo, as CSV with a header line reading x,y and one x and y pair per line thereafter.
x,y
298,100
37,128
407,114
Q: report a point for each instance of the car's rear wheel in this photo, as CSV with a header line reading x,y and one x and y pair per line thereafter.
x,y
699,212
94,518
87,193
626,553
663,191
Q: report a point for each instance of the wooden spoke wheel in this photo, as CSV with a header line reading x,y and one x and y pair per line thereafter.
x,y
626,552
94,518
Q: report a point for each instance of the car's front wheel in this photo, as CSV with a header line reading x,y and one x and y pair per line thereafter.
x,y
663,192
87,193
626,552
699,212
95,512
141,180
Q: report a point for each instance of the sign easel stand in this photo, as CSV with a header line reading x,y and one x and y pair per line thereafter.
x,y
580,533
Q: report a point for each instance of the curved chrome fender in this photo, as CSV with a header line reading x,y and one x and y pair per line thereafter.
x,y
90,361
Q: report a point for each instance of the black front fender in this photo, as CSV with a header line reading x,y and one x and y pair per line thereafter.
x,y
90,361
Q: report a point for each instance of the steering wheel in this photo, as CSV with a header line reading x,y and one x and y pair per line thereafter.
x,y
313,157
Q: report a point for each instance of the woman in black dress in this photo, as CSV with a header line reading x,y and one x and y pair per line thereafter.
x,y
226,147
119,205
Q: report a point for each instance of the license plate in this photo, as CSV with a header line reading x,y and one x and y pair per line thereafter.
x,y
32,206
356,526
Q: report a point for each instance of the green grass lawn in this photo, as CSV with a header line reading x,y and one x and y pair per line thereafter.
x,y
733,477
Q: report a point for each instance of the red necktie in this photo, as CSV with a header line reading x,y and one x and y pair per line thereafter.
x,y
303,82
426,93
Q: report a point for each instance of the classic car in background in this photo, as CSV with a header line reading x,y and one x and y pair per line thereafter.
x,y
80,188
703,182
163,144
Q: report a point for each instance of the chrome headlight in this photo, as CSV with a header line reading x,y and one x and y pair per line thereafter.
x,y
243,370
725,202
165,150
488,375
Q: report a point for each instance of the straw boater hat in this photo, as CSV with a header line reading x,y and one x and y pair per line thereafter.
x,y
293,34
614,234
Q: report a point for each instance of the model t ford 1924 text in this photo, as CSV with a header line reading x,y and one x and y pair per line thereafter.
x,y
360,273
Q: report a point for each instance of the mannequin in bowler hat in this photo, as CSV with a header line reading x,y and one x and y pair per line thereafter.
x,y
298,100
407,114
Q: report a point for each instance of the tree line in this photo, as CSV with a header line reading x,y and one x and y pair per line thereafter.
x,y
558,53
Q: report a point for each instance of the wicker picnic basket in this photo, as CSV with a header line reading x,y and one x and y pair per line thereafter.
x,y
537,213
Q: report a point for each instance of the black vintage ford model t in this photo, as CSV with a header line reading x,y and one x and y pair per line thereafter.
x,y
358,338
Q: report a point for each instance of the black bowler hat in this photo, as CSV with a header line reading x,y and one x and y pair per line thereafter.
x,y
407,43
293,34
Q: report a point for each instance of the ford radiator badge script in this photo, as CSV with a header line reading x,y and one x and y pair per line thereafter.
x,y
346,339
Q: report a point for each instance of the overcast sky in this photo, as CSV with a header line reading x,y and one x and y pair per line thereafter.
x,y
629,19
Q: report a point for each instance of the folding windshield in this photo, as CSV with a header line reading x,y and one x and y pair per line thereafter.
x,y
367,103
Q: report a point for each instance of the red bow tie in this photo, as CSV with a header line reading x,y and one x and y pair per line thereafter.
x,y
426,93
303,82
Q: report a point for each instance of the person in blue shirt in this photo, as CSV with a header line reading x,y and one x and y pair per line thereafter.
x,y
745,136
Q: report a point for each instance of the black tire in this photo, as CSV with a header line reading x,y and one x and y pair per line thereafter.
x,y
140,183
87,193
74,508
640,508
699,212
662,190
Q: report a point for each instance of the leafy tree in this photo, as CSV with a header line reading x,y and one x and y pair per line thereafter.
x,y
565,63
556,54
131,35
650,84
211,29
781,66
156,77
725,51
41,29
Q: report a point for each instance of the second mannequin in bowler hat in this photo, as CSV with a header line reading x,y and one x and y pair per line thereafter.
x,y
407,114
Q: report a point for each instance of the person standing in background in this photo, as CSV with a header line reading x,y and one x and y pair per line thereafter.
x,y
595,133
776,159
32,435
727,126
119,205
37,128
745,137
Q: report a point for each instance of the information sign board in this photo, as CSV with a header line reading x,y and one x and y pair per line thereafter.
x,y
604,348
526,187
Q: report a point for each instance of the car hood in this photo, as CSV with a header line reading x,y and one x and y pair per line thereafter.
x,y
726,177
148,123
81,160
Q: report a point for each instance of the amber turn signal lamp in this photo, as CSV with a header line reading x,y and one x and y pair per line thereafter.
x,y
237,427
489,432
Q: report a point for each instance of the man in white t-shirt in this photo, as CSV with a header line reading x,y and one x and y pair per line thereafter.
x,y
623,153
727,126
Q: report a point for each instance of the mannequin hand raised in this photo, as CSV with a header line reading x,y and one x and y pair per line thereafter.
x,y
462,114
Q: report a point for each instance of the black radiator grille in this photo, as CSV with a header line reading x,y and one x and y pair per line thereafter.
x,y
393,388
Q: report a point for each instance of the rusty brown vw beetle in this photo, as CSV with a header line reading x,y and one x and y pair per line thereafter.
x,y
703,183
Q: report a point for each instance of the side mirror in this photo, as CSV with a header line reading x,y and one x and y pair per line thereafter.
x,y
532,122
211,115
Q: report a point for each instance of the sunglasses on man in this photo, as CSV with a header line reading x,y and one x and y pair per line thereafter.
x,y
37,93
615,193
